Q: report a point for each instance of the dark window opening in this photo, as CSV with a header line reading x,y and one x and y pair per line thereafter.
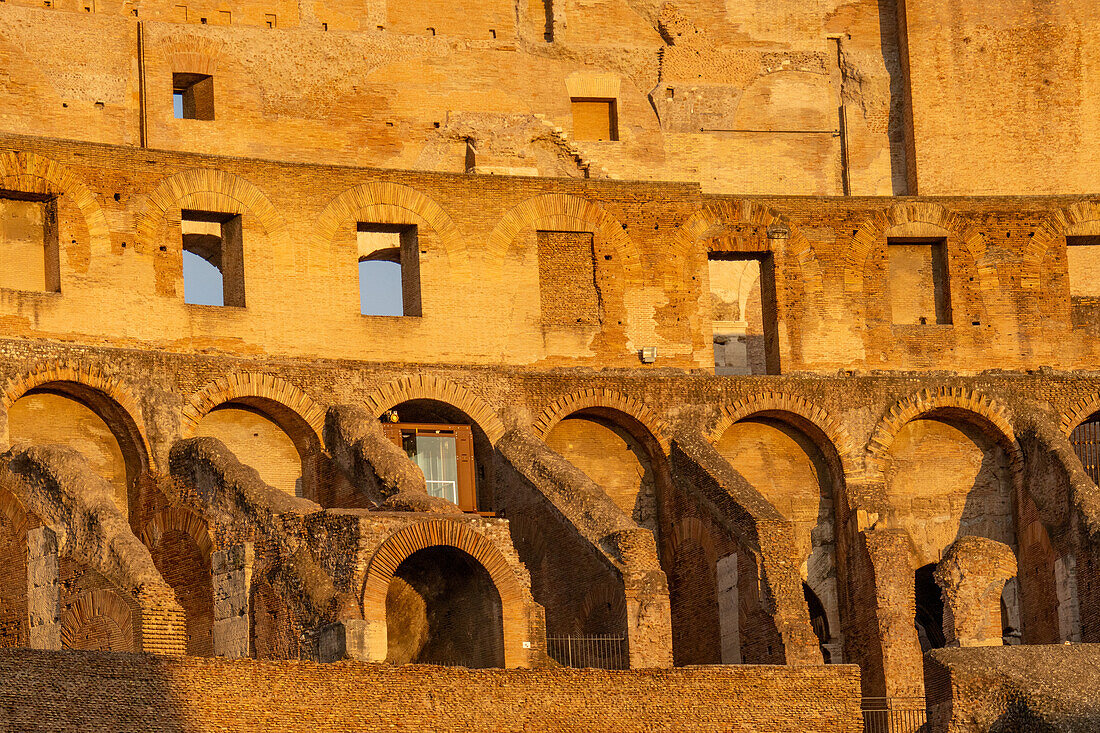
x,y
929,617
213,258
193,96
819,620
29,247
917,282
445,453
595,119
744,314
389,270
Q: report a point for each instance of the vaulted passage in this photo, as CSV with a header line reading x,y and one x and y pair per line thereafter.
x,y
442,608
258,441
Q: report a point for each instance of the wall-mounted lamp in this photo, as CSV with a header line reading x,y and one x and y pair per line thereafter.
x,y
649,354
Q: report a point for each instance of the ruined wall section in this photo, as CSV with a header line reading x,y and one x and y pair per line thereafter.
x,y
417,86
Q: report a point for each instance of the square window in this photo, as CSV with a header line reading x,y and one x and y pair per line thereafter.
x,y
193,96
917,283
743,313
595,119
28,243
389,270
213,258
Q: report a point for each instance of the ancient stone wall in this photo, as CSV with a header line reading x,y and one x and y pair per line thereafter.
x,y
828,258
136,692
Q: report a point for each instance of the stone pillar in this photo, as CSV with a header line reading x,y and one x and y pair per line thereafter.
x,y
232,583
729,609
43,589
882,636
972,575
1069,611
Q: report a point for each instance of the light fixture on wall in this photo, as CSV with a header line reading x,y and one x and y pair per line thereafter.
x,y
649,354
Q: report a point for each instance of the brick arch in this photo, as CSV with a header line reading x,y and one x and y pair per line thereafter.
x,y
722,214
602,593
33,173
605,398
194,55
259,387
425,387
872,231
974,406
564,212
693,528
78,378
176,518
400,545
206,189
1083,410
100,602
773,402
1052,231
384,202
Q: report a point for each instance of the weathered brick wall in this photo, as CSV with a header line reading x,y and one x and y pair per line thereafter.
x,y
478,254
70,691
1047,688
502,77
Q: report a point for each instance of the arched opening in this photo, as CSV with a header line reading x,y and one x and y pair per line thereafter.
x,y
450,447
696,607
616,452
95,614
269,437
443,608
185,566
929,614
782,456
1086,444
87,420
947,478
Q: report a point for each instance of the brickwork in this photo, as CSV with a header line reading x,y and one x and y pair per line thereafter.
x,y
734,410
124,693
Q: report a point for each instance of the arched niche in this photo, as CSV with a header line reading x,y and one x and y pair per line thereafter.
x,y
428,411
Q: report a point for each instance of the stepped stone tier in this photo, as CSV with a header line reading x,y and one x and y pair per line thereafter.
x,y
542,365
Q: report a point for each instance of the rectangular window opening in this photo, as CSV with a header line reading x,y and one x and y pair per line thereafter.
x,y
917,282
193,96
389,269
445,453
744,315
595,119
29,243
213,258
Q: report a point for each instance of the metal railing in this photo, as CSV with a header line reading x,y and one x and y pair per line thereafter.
x,y
894,715
601,652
